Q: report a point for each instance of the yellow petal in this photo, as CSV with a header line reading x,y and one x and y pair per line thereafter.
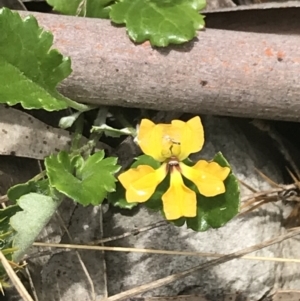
x,y
133,174
207,176
191,136
141,182
179,200
150,138
179,139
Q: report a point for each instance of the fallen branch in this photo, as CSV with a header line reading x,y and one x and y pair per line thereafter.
x,y
224,72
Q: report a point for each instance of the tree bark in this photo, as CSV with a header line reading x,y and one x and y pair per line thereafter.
x,y
221,72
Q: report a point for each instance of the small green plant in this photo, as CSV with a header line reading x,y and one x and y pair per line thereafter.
x,y
181,189
202,194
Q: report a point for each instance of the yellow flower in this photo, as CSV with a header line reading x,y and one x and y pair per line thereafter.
x,y
171,144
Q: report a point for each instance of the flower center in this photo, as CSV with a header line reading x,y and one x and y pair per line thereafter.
x,y
173,164
171,147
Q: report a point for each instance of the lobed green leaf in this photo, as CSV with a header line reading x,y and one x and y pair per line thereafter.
x,y
17,191
86,182
30,71
162,22
37,211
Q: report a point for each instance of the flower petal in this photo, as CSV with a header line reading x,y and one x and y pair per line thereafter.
x,y
150,138
133,174
141,182
207,176
191,136
179,200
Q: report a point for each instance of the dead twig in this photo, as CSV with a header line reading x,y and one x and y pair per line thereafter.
x,y
32,287
280,192
15,279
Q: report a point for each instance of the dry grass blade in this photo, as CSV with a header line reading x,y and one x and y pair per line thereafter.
x,y
179,298
279,192
267,179
265,200
133,232
296,181
81,7
172,278
253,199
3,199
108,239
22,4
32,287
15,279
162,252
294,217
105,289
266,192
261,198
247,186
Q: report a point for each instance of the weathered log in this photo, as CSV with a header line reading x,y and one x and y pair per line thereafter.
x,y
222,72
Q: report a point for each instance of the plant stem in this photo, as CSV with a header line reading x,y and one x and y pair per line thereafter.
x,y
94,137
76,105
78,133
39,176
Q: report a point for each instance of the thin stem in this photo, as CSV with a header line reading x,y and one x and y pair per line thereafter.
x,y
100,120
39,176
101,116
76,105
78,133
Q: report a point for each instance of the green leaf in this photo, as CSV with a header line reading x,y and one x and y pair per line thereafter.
x,y
86,8
179,222
30,71
6,232
86,182
145,160
41,187
37,211
214,212
5,215
160,21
